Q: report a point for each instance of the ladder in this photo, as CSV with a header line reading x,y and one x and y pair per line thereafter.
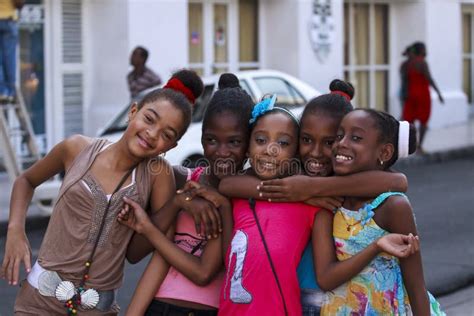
x,y
17,139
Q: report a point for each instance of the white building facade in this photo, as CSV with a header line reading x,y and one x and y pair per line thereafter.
x,y
75,53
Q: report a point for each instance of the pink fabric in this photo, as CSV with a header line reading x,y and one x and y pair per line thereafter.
x,y
249,287
176,285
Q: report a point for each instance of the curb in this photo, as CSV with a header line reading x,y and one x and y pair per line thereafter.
x,y
437,157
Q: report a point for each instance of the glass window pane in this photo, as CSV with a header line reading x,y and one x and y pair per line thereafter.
x,y
219,70
199,71
361,86
466,33
467,79
196,36
276,86
248,30
244,85
220,33
381,87
361,32
201,103
346,34
381,34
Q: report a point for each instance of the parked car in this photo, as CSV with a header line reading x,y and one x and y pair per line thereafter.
x,y
291,92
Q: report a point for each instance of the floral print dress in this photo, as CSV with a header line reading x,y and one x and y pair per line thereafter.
x,y
378,289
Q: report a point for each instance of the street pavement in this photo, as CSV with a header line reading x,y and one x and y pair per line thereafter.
x,y
442,197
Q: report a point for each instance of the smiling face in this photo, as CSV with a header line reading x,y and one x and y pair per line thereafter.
x,y
317,135
225,143
154,129
357,147
273,144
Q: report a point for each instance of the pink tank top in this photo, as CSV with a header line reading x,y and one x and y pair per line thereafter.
x,y
176,285
250,287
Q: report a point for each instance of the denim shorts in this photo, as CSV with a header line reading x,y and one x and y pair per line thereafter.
x,y
157,308
311,301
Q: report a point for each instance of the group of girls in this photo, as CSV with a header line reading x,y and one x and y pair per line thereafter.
x,y
246,256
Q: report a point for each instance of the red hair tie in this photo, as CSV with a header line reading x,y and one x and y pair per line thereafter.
x,y
343,94
176,85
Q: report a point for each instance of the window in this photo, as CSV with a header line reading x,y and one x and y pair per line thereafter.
x,y
248,34
287,95
244,85
222,35
196,38
467,52
366,56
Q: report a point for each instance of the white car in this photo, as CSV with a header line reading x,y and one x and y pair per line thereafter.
x,y
291,93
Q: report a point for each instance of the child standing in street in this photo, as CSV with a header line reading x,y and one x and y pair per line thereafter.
x,y
370,140
81,259
193,282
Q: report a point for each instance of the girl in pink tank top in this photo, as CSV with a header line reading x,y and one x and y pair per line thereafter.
x,y
193,282
83,232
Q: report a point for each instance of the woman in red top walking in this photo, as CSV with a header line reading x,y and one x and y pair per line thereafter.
x,y
418,100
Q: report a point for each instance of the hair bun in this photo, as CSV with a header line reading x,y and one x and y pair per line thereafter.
x,y
228,80
342,86
193,85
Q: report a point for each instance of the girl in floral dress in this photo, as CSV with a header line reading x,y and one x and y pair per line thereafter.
x,y
370,140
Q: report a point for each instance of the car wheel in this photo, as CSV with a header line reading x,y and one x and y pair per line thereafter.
x,y
194,161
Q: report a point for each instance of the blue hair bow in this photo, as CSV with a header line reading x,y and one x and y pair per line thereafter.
x,y
262,107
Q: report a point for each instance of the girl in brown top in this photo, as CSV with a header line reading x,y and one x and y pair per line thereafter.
x,y
80,262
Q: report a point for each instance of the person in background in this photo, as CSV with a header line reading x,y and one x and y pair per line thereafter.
x,y
8,42
418,99
141,77
408,54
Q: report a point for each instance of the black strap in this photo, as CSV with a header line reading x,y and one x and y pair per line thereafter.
x,y
101,228
252,207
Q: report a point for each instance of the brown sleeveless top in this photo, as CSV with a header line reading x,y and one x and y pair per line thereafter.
x,y
75,221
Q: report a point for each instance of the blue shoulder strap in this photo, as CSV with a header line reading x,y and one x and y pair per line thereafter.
x,y
382,197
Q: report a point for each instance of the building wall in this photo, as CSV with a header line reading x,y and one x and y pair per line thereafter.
x,y
280,48
444,46
114,28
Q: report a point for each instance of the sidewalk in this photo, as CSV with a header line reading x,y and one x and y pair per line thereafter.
x,y
459,303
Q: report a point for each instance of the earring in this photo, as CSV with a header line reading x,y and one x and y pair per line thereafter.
x,y
162,155
381,162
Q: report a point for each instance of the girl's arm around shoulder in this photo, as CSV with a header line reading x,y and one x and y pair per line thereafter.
x,y
397,217
241,186
362,184
303,188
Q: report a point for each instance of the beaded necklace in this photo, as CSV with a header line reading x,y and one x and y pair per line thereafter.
x,y
79,296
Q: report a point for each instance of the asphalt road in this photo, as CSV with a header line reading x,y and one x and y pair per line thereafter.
x,y
442,195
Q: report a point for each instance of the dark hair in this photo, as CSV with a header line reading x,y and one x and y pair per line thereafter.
x,y
332,104
388,128
192,81
143,52
228,80
230,98
419,48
